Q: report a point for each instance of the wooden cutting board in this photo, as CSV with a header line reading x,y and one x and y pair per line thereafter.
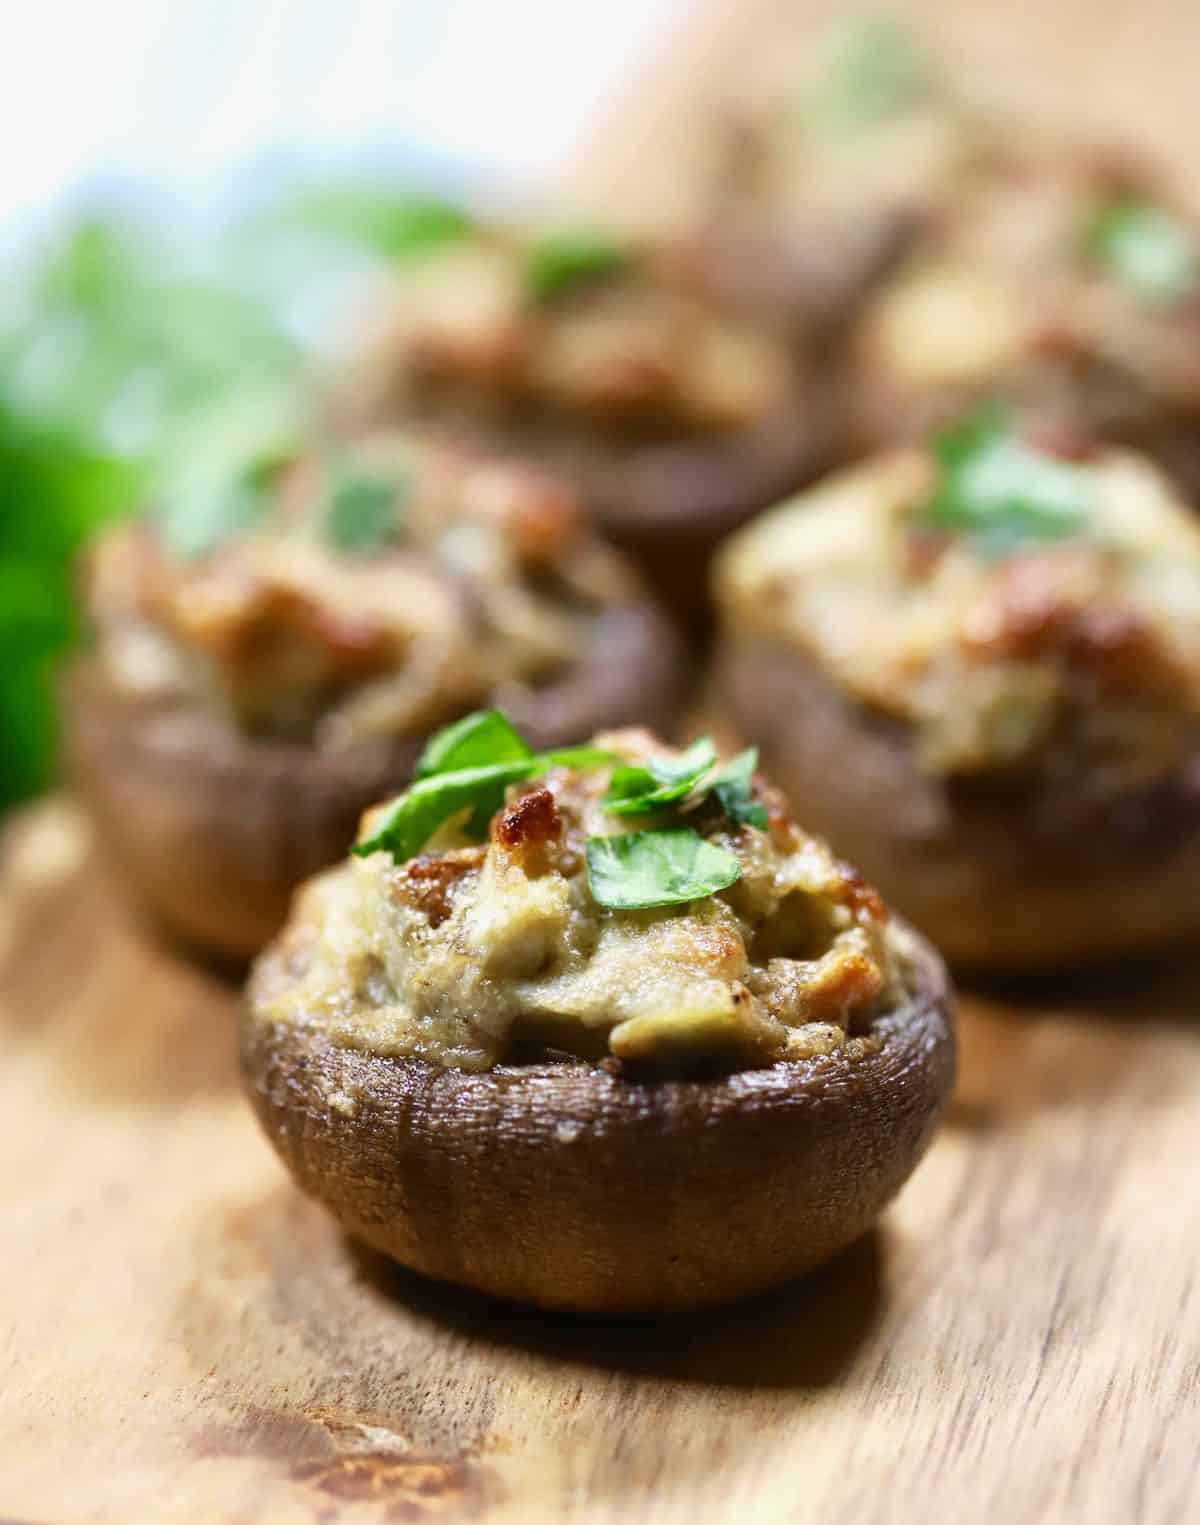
x,y
184,1339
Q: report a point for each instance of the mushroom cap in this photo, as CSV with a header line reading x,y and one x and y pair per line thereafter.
x,y
574,1185
214,830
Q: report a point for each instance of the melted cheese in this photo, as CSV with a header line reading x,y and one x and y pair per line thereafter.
x,y
988,660
490,583
511,948
641,351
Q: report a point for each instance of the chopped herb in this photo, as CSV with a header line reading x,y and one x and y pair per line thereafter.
x,y
411,819
477,740
201,514
374,217
878,72
734,787
655,868
217,480
466,766
419,224
1003,492
563,262
639,789
1155,254
573,757
364,511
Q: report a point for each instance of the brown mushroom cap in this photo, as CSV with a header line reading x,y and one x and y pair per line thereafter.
x,y
214,831
1011,879
571,1186
669,505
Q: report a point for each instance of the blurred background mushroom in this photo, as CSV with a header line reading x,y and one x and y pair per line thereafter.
x,y
197,197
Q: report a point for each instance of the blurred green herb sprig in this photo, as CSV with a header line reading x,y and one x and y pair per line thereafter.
x,y
112,355
130,374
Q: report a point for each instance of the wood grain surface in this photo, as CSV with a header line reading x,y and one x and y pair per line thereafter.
x,y
184,1339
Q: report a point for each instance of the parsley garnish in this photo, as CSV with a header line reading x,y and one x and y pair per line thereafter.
x,y
640,789
363,514
1001,491
653,868
218,482
418,224
466,768
198,517
477,740
1155,254
734,787
878,72
564,262
369,217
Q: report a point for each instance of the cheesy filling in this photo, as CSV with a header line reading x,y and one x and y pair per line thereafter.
x,y
1082,649
635,354
1006,293
470,955
485,584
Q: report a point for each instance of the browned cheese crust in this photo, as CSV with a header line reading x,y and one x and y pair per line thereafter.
x,y
1009,747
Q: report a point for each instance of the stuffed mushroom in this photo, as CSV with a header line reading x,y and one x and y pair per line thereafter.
x,y
824,184
601,1029
1066,281
976,666
269,656
674,419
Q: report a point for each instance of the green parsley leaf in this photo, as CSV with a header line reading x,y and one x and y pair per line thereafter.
x,y
202,514
734,787
878,72
413,817
654,868
1155,254
639,789
419,223
466,766
573,757
477,740
363,513
1003,492
216,482
563,262
372,217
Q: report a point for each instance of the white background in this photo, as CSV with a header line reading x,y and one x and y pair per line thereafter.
x,y
179,96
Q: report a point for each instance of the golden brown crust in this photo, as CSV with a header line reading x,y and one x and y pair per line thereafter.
x,y
1007,876
575,1186
214,831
